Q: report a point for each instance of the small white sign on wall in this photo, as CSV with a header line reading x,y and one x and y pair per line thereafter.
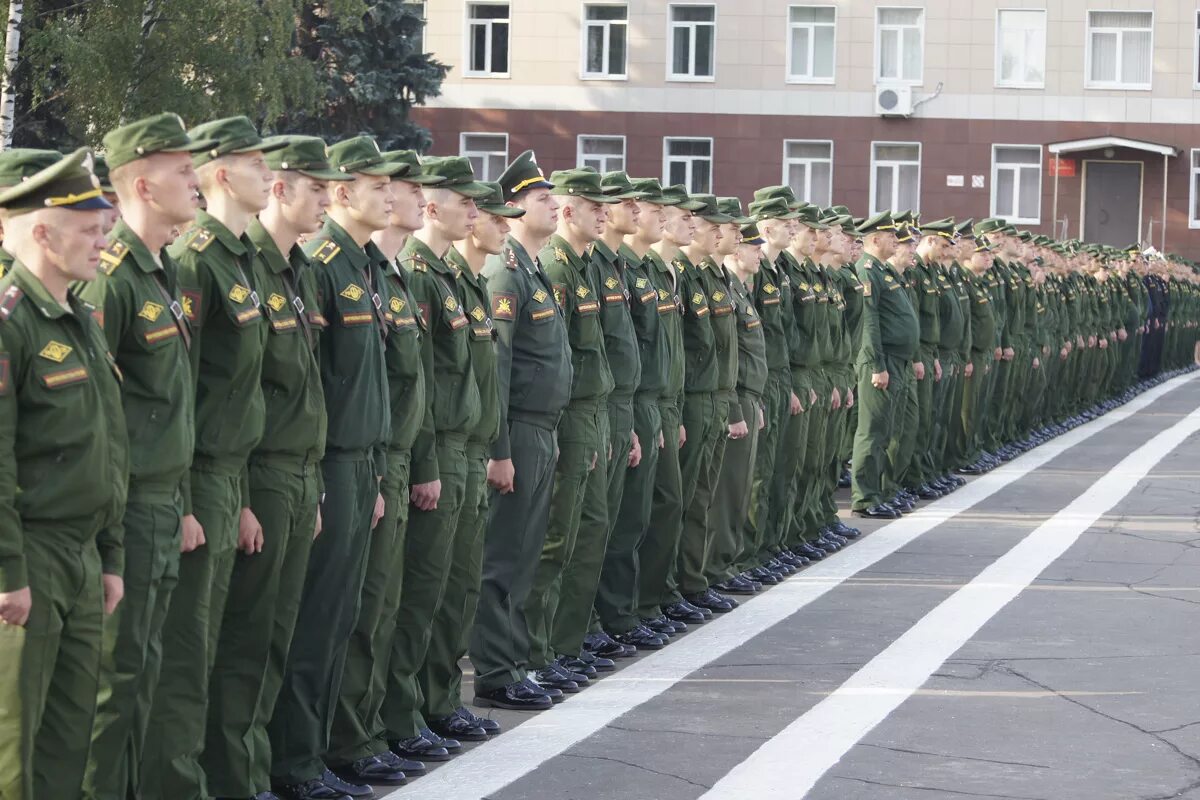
x,y
954,180
976,181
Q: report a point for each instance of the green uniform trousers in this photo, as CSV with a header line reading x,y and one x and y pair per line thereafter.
x,y
805,488
59,672
333,580
516,531
659,549
179,712
256,632
903,444
945,410
358,730
428,544
705,417
580,443
441,676
133,649
776,414
13,769
974,407
924,463
789,463
831,460
731,498
877,409
618,595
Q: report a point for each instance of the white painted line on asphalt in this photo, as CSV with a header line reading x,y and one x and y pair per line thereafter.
x,y
494,765
791,763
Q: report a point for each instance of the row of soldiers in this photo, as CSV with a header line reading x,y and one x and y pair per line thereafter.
x,y
273,467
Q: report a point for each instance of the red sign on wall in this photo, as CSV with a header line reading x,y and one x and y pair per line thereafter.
x,y
1062,167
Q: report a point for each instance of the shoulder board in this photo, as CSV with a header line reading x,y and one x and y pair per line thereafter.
x,y
200,239
510,259
561,255
417,263
9,301
112,256
326,252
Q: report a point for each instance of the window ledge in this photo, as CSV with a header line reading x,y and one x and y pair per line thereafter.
x,y
810,81
1000,85
1118,87
599,76
692,78
495,76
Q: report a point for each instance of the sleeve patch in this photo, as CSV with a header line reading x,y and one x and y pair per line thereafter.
x,y
191,305
9,302
504,305
423,308
5,380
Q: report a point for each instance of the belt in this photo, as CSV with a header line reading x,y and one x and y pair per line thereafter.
x,y
539,419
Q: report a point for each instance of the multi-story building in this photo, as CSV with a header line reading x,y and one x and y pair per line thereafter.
x,y
1072,117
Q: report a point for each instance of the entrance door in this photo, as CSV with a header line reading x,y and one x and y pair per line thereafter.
x,y
1112,202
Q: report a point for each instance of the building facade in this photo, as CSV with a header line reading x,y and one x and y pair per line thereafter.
x,y
1070,117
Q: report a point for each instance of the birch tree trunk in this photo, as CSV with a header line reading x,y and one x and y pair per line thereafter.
x,y
12,46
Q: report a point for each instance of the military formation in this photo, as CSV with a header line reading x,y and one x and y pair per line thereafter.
x,y
289,429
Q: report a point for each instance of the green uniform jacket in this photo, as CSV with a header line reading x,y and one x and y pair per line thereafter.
x,y
831,306
353,374
772,294
291,373
407,405
952,324
804,339
724,326
851,288
6,261
889,321
620,342
141,311
577,294
923,278
699,343
63,446
665,280
651,332
228,339
752,345
960,277
451,392
477,301
983,320
533,356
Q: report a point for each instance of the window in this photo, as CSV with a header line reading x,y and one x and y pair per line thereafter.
x,y
602,153
899,43
688,161
1196,55
895,176
1120,49
808,169
605,33
417,7
1017,183
693,36
487,152
810,44
1194,204
1021,48
487,39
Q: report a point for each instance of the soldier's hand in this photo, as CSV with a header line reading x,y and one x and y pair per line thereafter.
x,y
739,430
968,369
14,606
319,525
193,534
1037,363
849,398
812,397
682,436
250,533
880,380
662,440
381,506
919,370
500,474
762,420
835,399
1062,354
595,460
794,406
937,369
1122,334
1009,354
999,353
1103,343
424,496
635,452
114,592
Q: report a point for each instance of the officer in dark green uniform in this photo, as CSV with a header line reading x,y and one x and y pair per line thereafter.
x,y
534,377
441,677
358,748
17,164
264,591
62,486
439,454
228,336
977,372
137,296
349,301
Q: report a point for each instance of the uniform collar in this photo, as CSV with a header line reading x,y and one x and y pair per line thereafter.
x,y
459,262
560,245
237,246
520,254
36,293
136,248
262,239
601,249
414,248
352,250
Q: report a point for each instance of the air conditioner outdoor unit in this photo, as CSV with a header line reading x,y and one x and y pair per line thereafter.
x,y
893,100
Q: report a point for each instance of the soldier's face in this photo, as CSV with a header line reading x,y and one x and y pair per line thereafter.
x,y
541,211
651,220
679,229
455,215
369,199
777,232
804,241
303,201
731,237
72,241
248,179
168,182
747,256
408,206
489,233
707,236
623,217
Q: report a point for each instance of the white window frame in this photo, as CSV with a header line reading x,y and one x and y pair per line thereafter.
x,y
468,22
1019,169
999,82
788,162
1196,54
919,80
668,159
895,166
1088,83
584,23
1193,178
579,154
787,64
464,153
424,7
671,25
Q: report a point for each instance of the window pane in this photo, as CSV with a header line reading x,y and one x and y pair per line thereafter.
x,y
909,198
1004,192
500,47
822,178
889,54
677,172
607,12
1104,56
489,11
1121,19
823,38
1018,155
595,48
689,147
912,54
808,149
616,50
693,13
478,48
596,145
1136,57
899,16
1035,55
884,186
798,179
1196,196
812,14
701,176
704,50
799,65
896,152
1030,191
681,63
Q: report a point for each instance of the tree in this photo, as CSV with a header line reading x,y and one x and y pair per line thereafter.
x,y
12,46
370,70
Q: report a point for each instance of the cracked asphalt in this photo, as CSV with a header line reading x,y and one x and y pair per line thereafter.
x,y
1085,687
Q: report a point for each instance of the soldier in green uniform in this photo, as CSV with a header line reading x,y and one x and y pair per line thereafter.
x,y
903,470
17,164
347,271
228,337
928,285
264,590
62,484
559,607
890,335
439,456
534,377
137,297
358,746
441,678
977,371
